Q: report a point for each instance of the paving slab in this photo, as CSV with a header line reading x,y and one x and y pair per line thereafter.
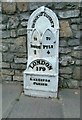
x,y
0,101
30,107
10,92
70,102
17,105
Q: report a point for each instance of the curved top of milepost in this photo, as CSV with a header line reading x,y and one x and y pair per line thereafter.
x,y
48,11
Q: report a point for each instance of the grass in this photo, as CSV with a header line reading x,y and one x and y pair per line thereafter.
x,y
17,99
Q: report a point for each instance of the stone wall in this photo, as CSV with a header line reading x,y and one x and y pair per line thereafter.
x,y
14,40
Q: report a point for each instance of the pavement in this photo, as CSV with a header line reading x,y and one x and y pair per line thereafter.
x,y
16,105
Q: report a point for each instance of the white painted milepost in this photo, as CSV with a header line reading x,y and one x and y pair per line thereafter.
x,y
41,75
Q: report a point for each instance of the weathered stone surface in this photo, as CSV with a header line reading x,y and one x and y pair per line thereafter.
x,y
64,50
8,40
73,42
7,57
22,55
7,72
65,30
0,57
75,20
5,47
4,18
24,16
18,78
76,73
73,83
66,60
18,66
22,31
17,48
13,33
78,62
76,34
6,34
5,65
66,76
35,5
22,6
0,18
13,22
19,45
0,6
9,7
78,48
59,5
63,43
72,6
24,23
75,54
0,47
19,72
74,27
20,60
69,14
6,78
66,70
80,83
2,26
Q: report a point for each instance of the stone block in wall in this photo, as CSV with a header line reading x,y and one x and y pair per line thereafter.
x,y
24,23
0,6
59,5
5,47
66,60
19,45
76,54
65,30
78,48
22,31
7,72
76,73
66,76
9,7
22,6
13,22
77,34
6,34
17,78
20,60
65,70
72,83
75,20
19,72
4,18
8,40
5,65
78,62
69,14
24,16
62,43
21,55
73,42
18,66
64,50
17,48
6,78
7,57
2,26
74,27
35,5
